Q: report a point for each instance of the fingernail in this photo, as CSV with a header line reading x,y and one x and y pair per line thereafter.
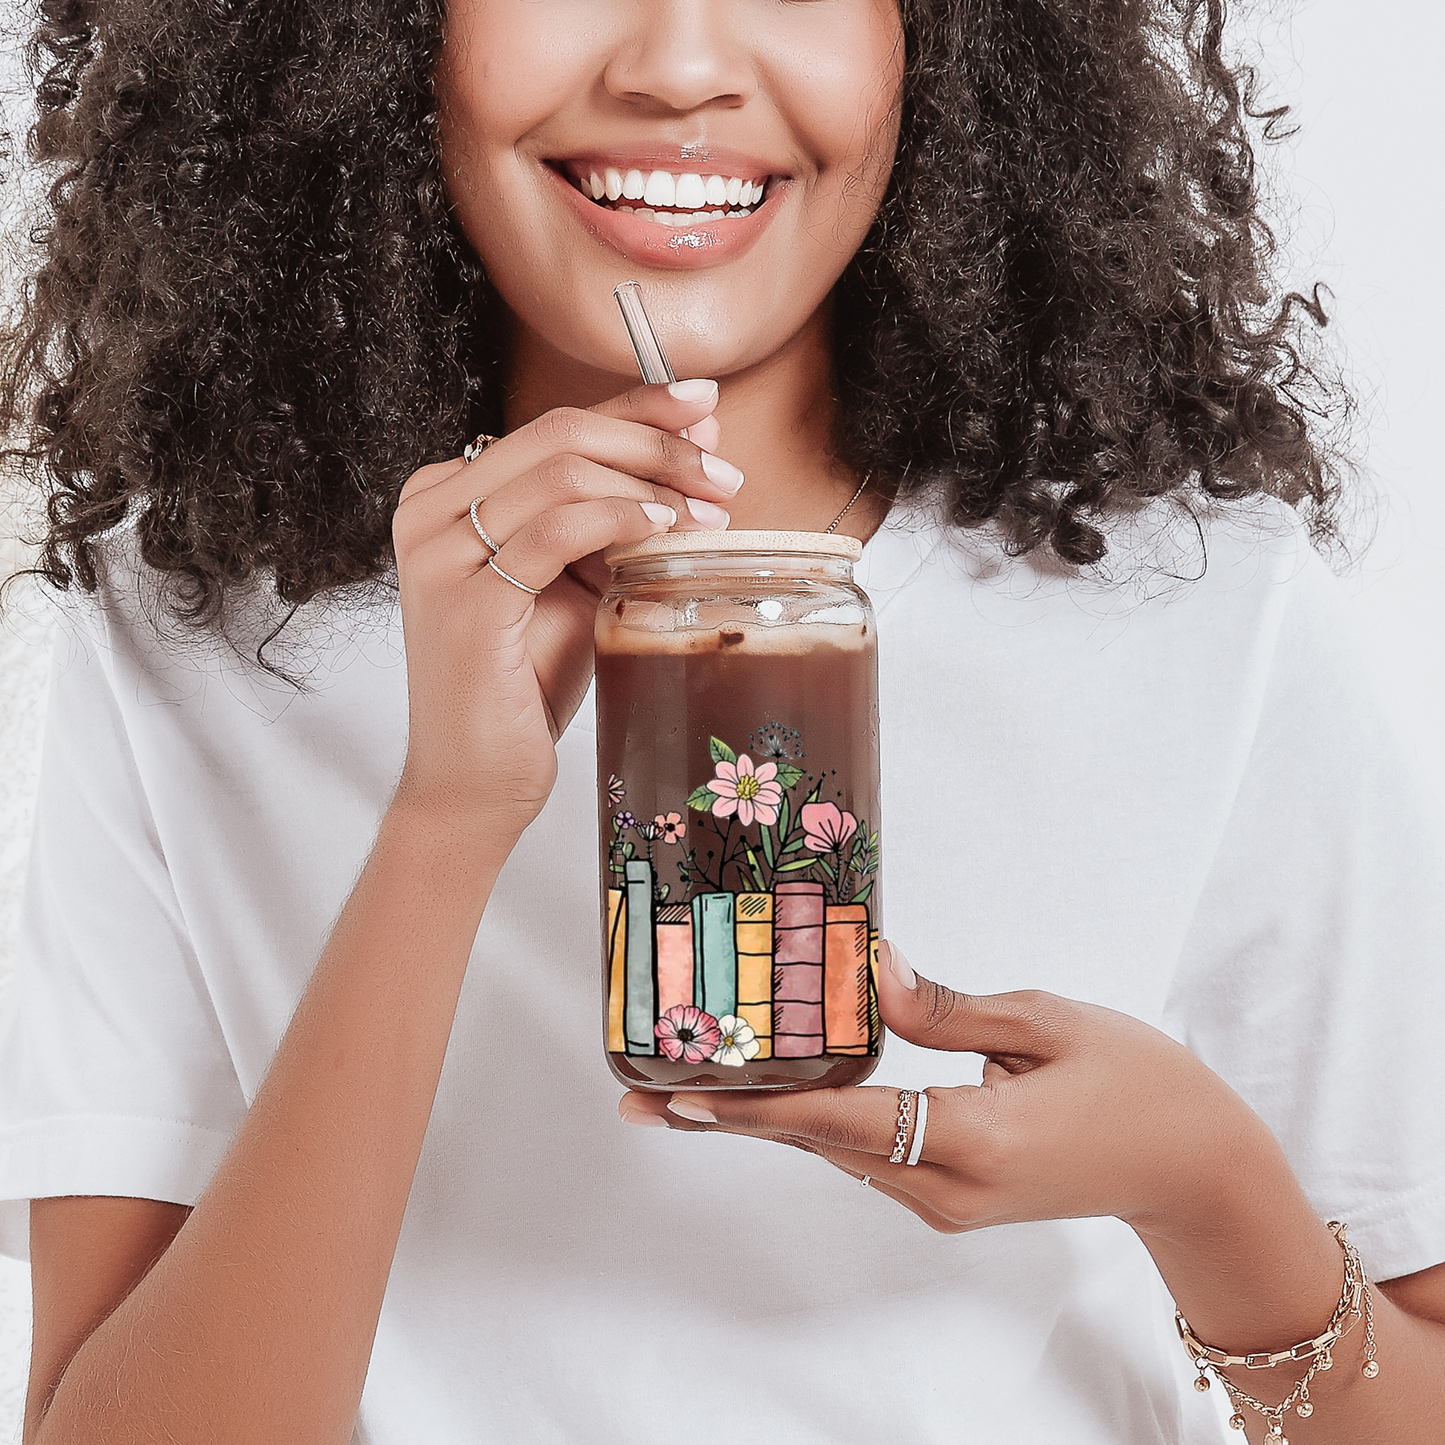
x,y
695,390
721,474
656,512
899,967
644,1120
707,513
695,1112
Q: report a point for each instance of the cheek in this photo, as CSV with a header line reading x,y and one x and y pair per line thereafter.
x,y
501,73
842,96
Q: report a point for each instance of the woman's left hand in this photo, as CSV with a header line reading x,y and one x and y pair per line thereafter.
x,y
1082,1112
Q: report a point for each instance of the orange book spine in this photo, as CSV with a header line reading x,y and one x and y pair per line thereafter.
x,y
845,978
616,969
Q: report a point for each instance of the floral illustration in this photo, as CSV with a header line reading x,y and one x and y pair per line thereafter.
x,y
616,790
809,839
825,828
670,827
773,740
623,821
746,791
688,1035
738,1043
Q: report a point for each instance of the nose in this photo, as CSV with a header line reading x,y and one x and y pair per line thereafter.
x,y
681,55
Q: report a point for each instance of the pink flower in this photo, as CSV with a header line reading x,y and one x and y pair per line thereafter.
x,y
616,789
748,792
671,827
827,829
688,1034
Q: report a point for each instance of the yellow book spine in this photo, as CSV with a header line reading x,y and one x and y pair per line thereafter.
x,y
616,969
754,914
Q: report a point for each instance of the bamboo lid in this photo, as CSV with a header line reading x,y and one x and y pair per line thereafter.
x,y
680,544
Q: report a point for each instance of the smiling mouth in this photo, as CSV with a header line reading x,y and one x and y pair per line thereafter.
x,y
671,198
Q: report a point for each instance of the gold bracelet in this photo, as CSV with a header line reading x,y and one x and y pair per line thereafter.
x,y
1354,1305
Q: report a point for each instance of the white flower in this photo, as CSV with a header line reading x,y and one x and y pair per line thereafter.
x,y
739,1042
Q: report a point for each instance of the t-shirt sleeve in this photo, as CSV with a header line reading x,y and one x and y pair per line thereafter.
x,y
1313,978
115,1078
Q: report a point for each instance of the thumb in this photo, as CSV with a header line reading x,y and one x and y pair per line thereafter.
x,y
1023,1026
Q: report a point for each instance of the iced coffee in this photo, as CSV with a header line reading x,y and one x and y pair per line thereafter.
x,y
737,737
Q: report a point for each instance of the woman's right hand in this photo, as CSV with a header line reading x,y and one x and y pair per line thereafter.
x,y
494,674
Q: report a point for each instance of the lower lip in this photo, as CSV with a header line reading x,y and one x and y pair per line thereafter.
x,y
673,248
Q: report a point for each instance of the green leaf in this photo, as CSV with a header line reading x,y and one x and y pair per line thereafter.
x,y
816,793
701,799
861,896
662,890
753,864
827,867
768,845
628,850
789,776
794,846
721,752
796,864
785,819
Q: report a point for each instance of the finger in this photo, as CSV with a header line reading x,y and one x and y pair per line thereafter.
x,y
542,550
908,1186
857,1120
911,1188
1021,1029
648,450
566,478
706,434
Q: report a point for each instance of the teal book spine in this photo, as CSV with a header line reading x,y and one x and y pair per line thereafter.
x,y
715,954
640,1009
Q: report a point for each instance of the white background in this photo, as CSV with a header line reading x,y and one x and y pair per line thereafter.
x,y
1359,206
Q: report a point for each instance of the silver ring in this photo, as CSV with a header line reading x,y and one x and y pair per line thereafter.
x,y
917,1150
474,449
507,577
477,523
866,1180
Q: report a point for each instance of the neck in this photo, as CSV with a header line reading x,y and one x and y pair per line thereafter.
x,y
776,417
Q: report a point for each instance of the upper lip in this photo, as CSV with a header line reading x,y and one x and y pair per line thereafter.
x,y
703,160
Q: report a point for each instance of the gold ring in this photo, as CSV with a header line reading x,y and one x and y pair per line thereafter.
x,y
474,449
481,530
507,577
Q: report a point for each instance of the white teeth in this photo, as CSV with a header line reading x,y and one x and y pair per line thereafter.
x,y
661,189
673,199
691,192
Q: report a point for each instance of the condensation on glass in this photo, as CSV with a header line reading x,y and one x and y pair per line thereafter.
x,y
737,755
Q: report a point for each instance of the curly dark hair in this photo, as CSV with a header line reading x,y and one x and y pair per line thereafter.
x,y
256,314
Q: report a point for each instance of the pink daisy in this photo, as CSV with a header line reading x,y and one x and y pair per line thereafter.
x,y
688,1034
747,791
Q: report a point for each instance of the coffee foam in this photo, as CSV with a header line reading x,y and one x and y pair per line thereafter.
x,y
793,639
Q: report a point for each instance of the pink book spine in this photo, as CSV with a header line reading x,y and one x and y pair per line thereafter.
x,y
674,957
798,970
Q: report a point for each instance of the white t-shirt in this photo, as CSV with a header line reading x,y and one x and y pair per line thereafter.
x,y
1172,797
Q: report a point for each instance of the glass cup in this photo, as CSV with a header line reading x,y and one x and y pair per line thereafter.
x,y
737,758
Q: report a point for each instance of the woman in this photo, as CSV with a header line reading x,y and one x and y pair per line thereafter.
x,y
999,310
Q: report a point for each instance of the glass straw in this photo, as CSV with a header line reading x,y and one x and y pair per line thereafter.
x,y
651,358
